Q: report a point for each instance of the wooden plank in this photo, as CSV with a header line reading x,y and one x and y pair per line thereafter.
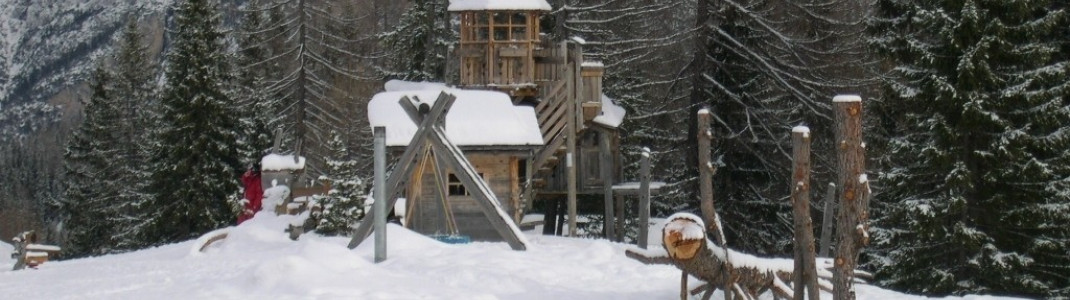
x,y
805,273
514,188
478,188
405,164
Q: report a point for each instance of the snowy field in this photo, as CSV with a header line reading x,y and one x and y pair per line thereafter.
x,y
258,261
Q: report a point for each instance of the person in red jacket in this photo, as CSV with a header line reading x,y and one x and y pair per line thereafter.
x,y
254,193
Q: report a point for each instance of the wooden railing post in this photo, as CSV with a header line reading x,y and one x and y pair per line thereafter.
x,y
705,178
852,217
805,274
827,219
644,197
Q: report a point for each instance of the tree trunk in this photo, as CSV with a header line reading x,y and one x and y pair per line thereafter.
x,y
805,271
851,221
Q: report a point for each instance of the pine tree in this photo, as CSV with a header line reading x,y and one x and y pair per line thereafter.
x,y
977,200
419,42
86,164
135,98
196,158
344,203
255,105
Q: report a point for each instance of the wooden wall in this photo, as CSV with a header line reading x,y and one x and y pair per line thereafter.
x,y
499,169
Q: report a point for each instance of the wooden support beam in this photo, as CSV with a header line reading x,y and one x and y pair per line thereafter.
x,y
852,217
805,273
644,197
479,189
606,160
570,157
406,163
705,179
620,217
827,219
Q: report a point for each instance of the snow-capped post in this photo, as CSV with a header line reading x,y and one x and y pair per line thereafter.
x,y
379,192
644,197
805,274
606,158
705,178
851,220
827,220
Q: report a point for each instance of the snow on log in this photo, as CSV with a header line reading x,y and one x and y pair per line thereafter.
x,y
687,248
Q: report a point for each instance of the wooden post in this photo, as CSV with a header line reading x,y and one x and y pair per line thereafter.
x,y
620,217
607,186
20,252
570,155
644,197
705,178
805,274
827,220
379,137
851,221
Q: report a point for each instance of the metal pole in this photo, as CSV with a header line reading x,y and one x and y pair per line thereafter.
x,y
379,191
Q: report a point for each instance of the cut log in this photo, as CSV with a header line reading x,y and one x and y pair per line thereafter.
x,y
686,247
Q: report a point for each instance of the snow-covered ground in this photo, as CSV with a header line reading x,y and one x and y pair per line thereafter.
x,y
258,261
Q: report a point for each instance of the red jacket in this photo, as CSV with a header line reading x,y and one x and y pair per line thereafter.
x,y
254,195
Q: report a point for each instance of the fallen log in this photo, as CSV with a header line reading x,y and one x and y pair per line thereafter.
x,y
686,247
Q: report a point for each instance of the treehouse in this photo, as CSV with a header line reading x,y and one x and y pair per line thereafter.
x,y
529,115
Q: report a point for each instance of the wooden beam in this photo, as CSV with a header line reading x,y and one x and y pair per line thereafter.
x,y
406,164
479,189
644,197
705,178
827,220
606,161
805,274
852,217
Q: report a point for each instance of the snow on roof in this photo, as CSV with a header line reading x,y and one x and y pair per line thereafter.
x,y
477,118
612,114
401,85
276,162
463,5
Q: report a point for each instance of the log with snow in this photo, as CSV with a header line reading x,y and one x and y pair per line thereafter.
x,y
687,248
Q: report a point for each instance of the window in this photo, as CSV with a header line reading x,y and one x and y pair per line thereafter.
x,y
455,187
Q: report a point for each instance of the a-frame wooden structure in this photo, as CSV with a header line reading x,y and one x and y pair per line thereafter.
x,y
431,133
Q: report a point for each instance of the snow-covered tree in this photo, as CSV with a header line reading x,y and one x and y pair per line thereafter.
x,y
344,203
88,166
135,98
195,155
256,106
419,42
977,200
306,51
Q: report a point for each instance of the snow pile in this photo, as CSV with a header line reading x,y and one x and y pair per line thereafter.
x,y
276,162
258,261
5,255
477,118
612,114
687,231
463,5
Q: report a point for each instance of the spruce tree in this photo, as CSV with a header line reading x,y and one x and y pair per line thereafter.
x,y
344,203
197,163
977,199
419,42
135,98
254,104
86,164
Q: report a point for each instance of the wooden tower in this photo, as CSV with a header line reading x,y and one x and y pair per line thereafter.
x,y
498,42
